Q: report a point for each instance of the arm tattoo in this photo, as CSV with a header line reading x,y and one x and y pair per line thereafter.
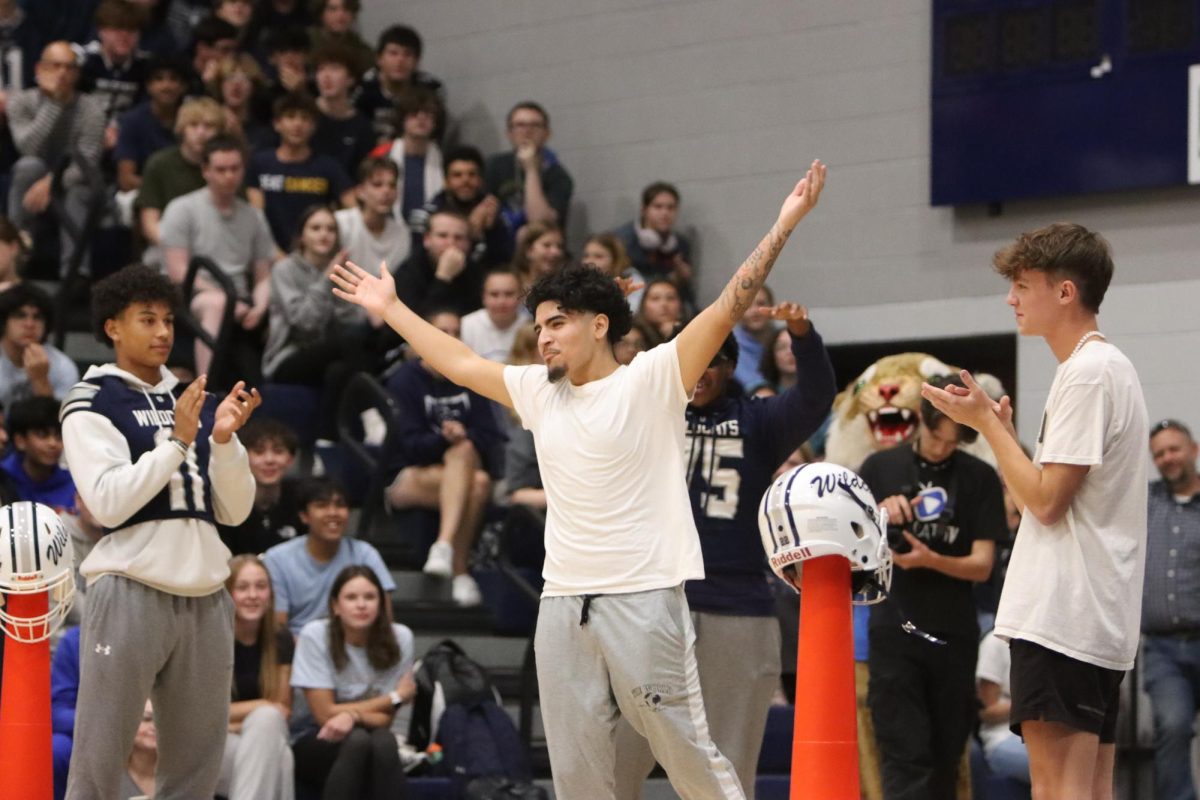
x,y
739,293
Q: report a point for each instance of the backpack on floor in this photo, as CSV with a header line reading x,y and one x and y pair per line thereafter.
x,y
483,753
458,706
446,676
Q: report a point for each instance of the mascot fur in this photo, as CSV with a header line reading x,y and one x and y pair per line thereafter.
x,y
880,408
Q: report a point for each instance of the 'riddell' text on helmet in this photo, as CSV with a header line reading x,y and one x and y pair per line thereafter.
x,y
820,510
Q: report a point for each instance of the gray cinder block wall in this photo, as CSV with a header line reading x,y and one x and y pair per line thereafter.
x,y
730,100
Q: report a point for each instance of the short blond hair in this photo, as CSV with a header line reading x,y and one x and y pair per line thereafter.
x,y
200,109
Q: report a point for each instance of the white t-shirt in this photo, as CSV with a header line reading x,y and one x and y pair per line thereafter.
x,y
364,248
481,335
1075,587
611,454
993,665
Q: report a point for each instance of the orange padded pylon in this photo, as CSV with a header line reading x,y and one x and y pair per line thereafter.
x,y
825,739
26,754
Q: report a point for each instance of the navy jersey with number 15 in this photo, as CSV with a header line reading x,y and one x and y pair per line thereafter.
x,y
734,447
146,419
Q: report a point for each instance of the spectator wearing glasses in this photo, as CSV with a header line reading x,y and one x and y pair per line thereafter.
x,y
1171,607
50,123
528,180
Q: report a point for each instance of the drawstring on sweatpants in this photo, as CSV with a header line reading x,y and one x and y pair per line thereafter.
x,y
587,604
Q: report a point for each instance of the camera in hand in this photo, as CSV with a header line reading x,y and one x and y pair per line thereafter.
x,y
896,540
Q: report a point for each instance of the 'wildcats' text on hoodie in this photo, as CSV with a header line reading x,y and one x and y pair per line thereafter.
x,y
158,506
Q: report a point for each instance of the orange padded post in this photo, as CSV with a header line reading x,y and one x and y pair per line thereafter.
x,y
26,738
825,738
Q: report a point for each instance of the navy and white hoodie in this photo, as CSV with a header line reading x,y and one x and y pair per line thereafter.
x,y
157,506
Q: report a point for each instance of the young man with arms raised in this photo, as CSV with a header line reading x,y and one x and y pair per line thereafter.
x,y
614,632
1072,601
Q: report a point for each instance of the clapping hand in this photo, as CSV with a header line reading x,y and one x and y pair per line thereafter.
x,y
187,411
234,411
970,405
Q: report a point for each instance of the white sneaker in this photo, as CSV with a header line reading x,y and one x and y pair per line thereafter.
x,y
440,561
465,591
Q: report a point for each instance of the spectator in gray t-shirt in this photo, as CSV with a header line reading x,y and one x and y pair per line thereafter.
x,y
28,366
216,223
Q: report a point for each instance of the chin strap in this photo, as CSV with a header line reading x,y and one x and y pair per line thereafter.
x,y
907,625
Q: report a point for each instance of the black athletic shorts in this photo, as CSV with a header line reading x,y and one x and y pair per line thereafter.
x,y
1051,687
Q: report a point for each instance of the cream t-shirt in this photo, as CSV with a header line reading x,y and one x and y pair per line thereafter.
x,y
611,455
1075,587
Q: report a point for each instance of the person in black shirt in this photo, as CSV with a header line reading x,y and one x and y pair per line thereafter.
x,y
275,518
342,132
466,194
945,510
443,272
397,65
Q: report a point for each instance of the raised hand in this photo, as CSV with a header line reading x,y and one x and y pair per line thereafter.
x,y
355,285
794,314
628,285
528,156
187,411
804,197
234,411
451,264
36,363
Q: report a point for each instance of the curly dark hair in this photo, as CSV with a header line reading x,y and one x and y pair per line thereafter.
x,y
136,283
17,297
579,288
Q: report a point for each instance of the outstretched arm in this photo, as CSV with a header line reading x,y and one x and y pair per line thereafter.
x,y
447,355
700,340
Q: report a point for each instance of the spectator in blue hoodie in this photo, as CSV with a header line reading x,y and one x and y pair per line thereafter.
x,y
450,446
64,692
735,443
33,465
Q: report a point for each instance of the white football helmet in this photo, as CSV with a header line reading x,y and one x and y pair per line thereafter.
x,y
35,556
822,509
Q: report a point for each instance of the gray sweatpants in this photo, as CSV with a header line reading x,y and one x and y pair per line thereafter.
x,y
738,660
630,655
137,642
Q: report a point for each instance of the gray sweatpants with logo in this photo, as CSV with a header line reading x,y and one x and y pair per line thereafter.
x,y
603,657
137,643
738,660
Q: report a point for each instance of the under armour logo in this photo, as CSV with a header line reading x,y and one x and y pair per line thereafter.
x,y
104,649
